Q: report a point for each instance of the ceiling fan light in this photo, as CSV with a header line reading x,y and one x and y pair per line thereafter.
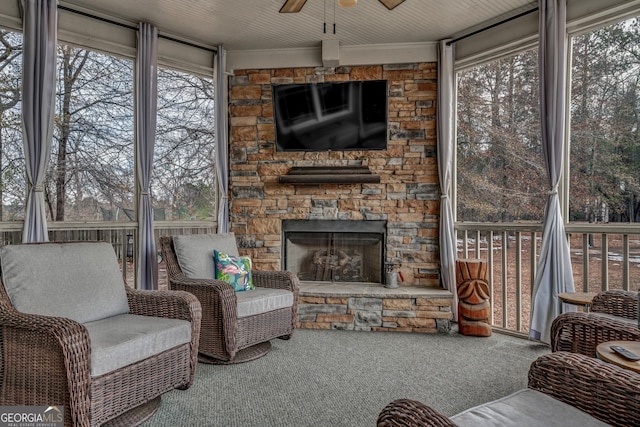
x,y
347,3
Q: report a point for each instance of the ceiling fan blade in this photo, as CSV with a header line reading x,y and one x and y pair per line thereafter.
x,y
292,6
390,4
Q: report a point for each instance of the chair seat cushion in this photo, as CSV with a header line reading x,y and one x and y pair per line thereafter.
x,y
124,339
525,408
631,322
262,300
78,280
195,252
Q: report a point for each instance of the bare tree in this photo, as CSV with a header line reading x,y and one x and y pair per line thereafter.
x,y
11,157
94,134
184,171
605,177
500,174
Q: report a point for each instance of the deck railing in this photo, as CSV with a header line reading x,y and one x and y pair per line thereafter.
x,y
512,250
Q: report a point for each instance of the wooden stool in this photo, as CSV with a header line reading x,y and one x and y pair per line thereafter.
x,y
474,307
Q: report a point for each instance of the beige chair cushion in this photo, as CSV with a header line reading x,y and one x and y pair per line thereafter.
x,y
631,322
262,300
121,340
526,408
81,281
195,252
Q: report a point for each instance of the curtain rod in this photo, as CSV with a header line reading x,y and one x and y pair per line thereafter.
x,y
504,21
131,27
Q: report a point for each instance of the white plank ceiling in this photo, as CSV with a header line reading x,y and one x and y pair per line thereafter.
x,y
256,24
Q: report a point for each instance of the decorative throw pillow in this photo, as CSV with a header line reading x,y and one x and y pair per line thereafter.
x,y
235,270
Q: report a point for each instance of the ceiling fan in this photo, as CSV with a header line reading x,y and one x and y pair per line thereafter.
x,y
295,6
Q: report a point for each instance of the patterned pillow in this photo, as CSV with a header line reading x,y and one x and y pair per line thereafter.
x,y
235,270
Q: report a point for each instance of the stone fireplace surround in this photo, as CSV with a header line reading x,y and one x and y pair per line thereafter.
x,y
406,196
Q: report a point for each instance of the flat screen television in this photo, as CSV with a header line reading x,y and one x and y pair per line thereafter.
x,y
333,116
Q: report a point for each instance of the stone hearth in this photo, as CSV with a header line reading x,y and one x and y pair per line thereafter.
x,y
372,307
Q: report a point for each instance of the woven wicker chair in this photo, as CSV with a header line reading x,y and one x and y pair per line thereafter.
x,y
613,317
51,359
226,338
583,387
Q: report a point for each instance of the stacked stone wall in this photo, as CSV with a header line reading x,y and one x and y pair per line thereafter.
x,y
426,315
407,196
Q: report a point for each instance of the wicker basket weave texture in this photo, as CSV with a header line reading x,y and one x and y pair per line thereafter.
x,y
222,333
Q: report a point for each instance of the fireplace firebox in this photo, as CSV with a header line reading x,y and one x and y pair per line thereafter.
x,y
334,250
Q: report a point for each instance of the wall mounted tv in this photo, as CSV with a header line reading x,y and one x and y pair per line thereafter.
x,y
334,116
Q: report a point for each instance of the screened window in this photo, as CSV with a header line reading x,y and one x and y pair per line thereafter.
x,y
500,173
91,171
12,166
183,184
605,121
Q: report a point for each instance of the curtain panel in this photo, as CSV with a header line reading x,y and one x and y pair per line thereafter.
x,y
446,146
40,22
221,148
146,106
554,274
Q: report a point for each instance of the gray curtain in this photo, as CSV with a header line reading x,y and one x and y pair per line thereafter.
x,y
554,274
446,146
221,148
40,22
146,105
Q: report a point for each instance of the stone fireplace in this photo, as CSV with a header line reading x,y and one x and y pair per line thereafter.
x,y
276,197
334,251
397,186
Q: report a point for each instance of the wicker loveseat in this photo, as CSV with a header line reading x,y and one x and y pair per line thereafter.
x,y
565,389
72,334
613,317
236,326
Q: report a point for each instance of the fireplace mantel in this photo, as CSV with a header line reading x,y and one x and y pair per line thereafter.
x,y
310,175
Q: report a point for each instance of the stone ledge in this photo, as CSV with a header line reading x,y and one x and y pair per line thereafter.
x,y
372,307
373,290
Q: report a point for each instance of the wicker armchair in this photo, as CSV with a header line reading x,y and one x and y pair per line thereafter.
x,y
59,347
225,336
613,317
567,387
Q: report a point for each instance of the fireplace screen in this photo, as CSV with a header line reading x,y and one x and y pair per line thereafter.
x,y
335,256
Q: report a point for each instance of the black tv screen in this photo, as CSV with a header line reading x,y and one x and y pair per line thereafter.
x,y
331,116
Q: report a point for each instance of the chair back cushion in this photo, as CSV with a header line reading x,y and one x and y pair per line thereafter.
x,y
81,281
195,252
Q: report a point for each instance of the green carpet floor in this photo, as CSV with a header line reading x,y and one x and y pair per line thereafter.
x,y
344,378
